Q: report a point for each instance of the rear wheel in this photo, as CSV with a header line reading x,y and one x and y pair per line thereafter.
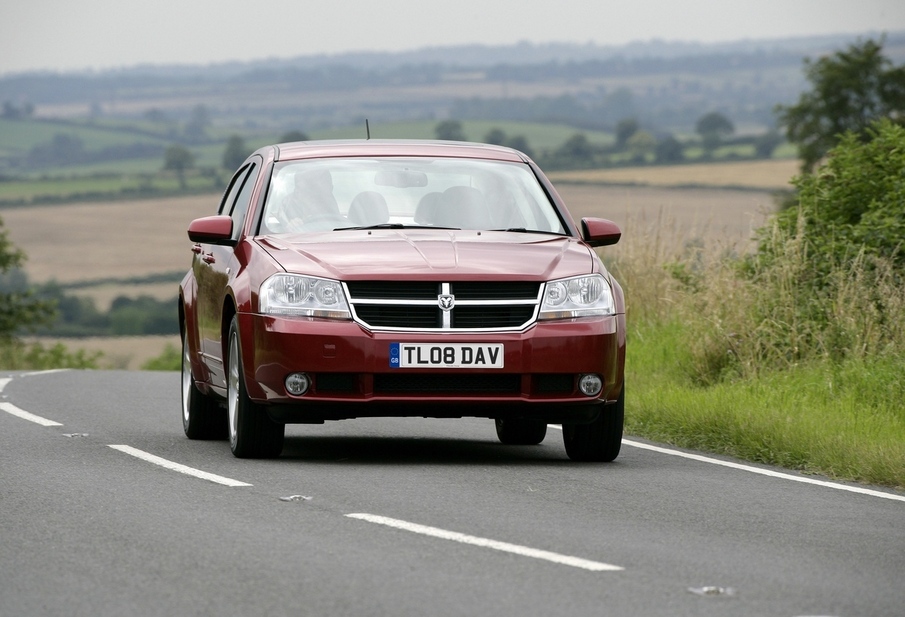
x,y
252,434
202,417
521,431
601,439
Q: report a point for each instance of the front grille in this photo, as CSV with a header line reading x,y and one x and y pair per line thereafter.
x,y
491,316
446,383
390,316
415,305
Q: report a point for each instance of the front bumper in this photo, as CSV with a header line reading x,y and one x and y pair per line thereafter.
x,y
352,375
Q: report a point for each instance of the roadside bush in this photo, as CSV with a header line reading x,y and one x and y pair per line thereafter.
x,y
16,355
170,359
826,282
851,204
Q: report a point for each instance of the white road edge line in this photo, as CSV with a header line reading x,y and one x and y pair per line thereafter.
x,y
758,470
189,471
516,549
21,413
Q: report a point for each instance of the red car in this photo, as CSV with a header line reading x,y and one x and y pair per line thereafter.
x,y
346,279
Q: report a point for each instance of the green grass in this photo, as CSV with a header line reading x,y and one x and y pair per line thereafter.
x,y
22,135
845,421
108,186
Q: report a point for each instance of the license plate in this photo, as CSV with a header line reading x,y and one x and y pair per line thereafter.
x,y
450,355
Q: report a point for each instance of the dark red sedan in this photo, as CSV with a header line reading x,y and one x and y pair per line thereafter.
x,y
351,279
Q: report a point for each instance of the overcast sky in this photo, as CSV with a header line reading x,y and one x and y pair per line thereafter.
x,y
65,35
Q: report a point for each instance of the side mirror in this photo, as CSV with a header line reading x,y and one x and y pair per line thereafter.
x,y
212,230
600,232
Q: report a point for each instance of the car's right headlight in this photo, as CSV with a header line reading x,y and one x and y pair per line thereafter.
x,y
293,295
580,296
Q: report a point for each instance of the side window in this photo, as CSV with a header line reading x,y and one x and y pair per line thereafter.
x,y
229,197
242,201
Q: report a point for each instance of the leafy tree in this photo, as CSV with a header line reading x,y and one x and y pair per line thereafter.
x,y
178,158
619,104
495,136
520,143
235,153
156,115
196,127
450,130
294,136
850,90
713,127
19,308
142,315
12,112
640,144
624,130
854,205
669,150
577,147
63,149
765,144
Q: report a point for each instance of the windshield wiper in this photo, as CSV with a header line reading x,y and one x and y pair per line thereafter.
x,y
525,230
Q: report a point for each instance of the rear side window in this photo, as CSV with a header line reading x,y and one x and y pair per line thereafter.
x,y
240,207
235,185
238,196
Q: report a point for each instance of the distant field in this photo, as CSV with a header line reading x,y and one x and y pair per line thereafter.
x,y
768,175
92,241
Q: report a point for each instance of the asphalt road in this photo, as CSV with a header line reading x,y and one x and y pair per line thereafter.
x,y
407,517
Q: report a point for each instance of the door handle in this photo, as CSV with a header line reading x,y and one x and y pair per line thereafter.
x,y
208,258
196,249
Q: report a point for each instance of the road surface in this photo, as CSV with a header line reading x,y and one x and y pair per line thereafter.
x,y
107,509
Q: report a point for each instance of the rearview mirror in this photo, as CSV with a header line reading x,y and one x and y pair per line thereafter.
x,y
400,178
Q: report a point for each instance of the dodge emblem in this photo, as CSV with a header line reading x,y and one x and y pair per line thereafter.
x,y
446,301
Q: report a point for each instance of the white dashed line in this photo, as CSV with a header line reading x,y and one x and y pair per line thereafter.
x,y
21,413
524,551
189,471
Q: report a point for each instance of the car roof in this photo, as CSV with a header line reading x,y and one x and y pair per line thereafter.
x,y
393,147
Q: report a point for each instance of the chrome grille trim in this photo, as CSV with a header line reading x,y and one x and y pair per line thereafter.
x,y
400,310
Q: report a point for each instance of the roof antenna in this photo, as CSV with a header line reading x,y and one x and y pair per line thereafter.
x,y
368,128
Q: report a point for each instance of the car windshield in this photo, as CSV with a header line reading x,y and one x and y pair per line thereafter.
x,y
335,194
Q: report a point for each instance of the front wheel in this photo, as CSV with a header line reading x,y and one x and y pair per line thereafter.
x,y
521,431
600,440
252,434
202,417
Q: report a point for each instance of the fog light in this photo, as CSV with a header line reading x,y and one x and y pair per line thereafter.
x,y
591,385
298,383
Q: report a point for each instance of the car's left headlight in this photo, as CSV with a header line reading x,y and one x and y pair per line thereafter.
x,y
581,296
293,295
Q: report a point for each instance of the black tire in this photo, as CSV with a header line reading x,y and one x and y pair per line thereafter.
x,y
600,440
252,434
202,417
521,431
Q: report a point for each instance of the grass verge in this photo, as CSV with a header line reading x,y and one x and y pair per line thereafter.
x,y
843,420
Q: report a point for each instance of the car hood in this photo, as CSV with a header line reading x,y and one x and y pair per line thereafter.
x,y
411,253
